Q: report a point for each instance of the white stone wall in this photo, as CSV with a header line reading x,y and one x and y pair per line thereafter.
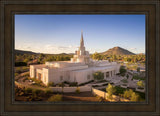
x,y
32,71
70,89
81,76
56,76
39,71
45,76
105,95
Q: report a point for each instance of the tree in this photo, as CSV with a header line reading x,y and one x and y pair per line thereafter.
x,y
138,69
77,90
128,93
55,98
97,56
98,75
140,84
122,70
110,90
131,95
127,76
26,60
134,97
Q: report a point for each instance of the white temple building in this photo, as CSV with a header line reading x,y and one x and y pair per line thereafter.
x,y
79,69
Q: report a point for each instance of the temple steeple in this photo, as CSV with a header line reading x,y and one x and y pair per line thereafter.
x,y
82,41
82,48
81,55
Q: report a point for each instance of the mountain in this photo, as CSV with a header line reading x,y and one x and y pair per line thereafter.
x,y
30,52
117,51
23,52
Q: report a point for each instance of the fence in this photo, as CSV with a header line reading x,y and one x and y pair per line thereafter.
x,y
70,89
105,95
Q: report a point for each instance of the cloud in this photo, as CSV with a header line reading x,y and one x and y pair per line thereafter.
x,y
132,48
135,50
54,49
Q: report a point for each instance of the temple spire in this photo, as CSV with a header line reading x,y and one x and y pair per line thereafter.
x,y
82,41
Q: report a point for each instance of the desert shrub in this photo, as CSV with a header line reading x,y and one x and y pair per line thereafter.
x,y
135,97
137,77
128,93
124,81
124,84
28,90
131,95
77,90
138,69
48,91
140,84
50,84
122,70
36,91
55,98
15,74
123,74
38,82
25,68
141,95
18,70
29,78
98,75
65,82
110,90
61,84
20,64
119,90
73,84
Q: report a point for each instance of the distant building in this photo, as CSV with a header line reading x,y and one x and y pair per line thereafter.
x,y
80,69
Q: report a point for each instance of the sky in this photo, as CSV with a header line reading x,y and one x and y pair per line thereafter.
x,y
55,34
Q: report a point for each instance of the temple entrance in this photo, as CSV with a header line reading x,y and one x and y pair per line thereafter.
x,y
107,74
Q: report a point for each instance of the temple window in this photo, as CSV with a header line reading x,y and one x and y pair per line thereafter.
x,y
88,77
61,78
74,79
